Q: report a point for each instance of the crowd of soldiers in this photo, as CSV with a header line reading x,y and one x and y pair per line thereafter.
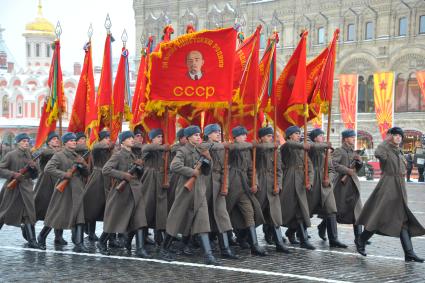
x,y
202,190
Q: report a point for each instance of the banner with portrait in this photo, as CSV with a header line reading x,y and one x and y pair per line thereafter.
x,y
195,69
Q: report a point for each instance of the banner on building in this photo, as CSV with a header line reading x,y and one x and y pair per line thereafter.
x,y
348,100
420,76
383,95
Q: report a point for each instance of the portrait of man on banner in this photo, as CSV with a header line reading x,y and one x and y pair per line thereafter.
x,y
194,62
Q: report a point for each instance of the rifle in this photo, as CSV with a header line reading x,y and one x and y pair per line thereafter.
x,y
201,161
14,182
121,186
352,166
64,182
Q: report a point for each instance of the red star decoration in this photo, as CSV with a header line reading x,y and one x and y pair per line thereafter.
x,y
383,85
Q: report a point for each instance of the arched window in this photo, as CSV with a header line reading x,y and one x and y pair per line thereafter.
x,y
5,106
369,30
370,101
408,94
361,95
400,104
37,50
365,101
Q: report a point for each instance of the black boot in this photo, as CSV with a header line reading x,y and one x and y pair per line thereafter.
x,y
187,249
79,239
406,243
59,240
140,244
241,238
253,241
331,226
206,246
305,243
290,233
148,240
158,236
226,252
24,232
91,231
280,247
268,233
322,229
232,241
32,242
357,229
102,243
361,242
165,248
42,237
121,239
130,236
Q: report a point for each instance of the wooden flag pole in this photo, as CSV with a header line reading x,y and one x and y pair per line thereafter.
x,y
306,178
224,188
165,183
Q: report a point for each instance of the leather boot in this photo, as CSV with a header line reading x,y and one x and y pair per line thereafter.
x,y
332,229
121,239
226,252
24,232
280,247
42,237
79,239
322,229
253,241
305,243
1,225
187,249
268,234
206,246
32,242
361,242
148,240
91,231
290,234
140,244
241,238
165,248
59,240
406,243
232,241
158,237
130,236
357,229
102,243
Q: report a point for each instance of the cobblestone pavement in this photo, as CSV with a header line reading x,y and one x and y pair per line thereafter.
x,y
384,263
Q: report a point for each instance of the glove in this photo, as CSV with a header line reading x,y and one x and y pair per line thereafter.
x,y
127,176
18,176
68,175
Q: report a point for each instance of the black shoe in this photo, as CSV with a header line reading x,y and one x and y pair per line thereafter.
x,y
32,242
322,230
102,244
226,252
59,240
253,241
42,237
332,228
406,243
280,247
206,246
361,242
290,234
140,244
165,248
79,239
91,230
305,243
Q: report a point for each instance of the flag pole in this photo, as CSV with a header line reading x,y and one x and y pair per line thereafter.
x,y
276,146
165,182
58,32
306,178
108,25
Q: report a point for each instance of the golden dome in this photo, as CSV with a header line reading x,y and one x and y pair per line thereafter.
x,y
40,24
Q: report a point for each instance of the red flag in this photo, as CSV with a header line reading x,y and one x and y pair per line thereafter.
x,y
104,101
322,95
121,96
84,114
267,71
54,104
291,96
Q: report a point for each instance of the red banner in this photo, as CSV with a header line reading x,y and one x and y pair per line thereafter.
x,y
195,69
420,76
348,100
54,103
84,113
383,96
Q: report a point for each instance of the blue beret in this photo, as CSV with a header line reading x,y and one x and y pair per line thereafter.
x,y
80,135
180,133
191,130
68,136
154,133
210,128
238,131
291,130
22,136
396,131
265,131
125,135
104,134
348,133
51,136
315,133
